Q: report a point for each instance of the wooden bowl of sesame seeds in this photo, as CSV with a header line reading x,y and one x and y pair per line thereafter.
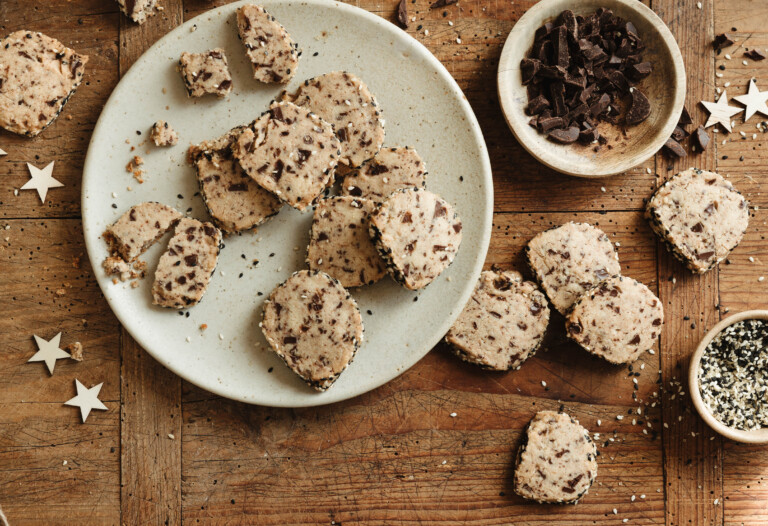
x,y
721,376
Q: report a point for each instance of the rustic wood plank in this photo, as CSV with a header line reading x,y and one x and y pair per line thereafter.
x,y
745,16
37,433
151,432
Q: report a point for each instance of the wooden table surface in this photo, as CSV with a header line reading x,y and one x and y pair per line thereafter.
x,y
167,452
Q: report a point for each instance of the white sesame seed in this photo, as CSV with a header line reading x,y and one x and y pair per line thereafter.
x,y
602,189
619,417
698,5
744,62
726,85
458,40
221,336
599,422
719,75
717,501
632,499
189,339
761,278
642,496
170,435
751,259
727,56
453,415
615,511
543,383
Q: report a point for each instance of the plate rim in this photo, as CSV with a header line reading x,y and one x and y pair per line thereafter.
x,y
484,169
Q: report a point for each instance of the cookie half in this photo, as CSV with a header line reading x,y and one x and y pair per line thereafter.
x,y
38,75
205,73
619,319
700,216
390,170
339,243
185,269
273,54
557,462
417,234
314,325
139,228
346,102
570,259
289,151
503,323
235,202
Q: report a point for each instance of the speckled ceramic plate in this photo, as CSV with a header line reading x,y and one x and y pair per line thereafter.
x,y
423,108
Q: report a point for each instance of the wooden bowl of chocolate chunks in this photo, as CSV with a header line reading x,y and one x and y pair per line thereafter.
x,y
591,87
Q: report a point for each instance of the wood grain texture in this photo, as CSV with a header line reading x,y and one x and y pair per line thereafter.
x,y
151,395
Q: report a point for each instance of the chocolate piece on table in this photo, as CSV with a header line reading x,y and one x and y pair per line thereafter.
x,y
679,134
685,118
673,149
722,40
565,136
442,3
755,54
640,71
702,138
402,13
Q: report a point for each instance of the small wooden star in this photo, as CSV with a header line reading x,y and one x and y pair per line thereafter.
x,y
86,399
754,101
48,352
2,152
41,180
720,113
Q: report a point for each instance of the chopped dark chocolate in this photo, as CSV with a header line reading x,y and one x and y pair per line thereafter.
x,y
679,134
674,149
537,105
402,13
442,3
565,136
639,109
755,54
685,118
702,138
640,71
721,41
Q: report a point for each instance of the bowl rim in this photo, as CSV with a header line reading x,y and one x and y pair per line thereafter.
x,y
759,436
509,61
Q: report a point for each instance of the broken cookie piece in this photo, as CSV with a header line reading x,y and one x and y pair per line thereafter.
x,y
314,325
75,351
186,267
162,134
139,10
38,75
206,73
390,170
273,54
139,228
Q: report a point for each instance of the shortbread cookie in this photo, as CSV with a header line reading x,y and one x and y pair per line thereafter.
x,y
700,216
139,228
391,169
314,325
345,101
339,243
272,52
162,134
38,74
557,462
186,267
503,323
206,73
138,10
289,151
619,319
417,234
568,260
235,202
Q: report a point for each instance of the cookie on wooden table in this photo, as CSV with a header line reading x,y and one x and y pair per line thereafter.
x,y
339,243
163,134
569,259
700,216
205,73
139,228
618,319
185,269
503,323
346,102
314,325
235,202
417,234
557,462
289,151
139,10
391,169
38,74
273,54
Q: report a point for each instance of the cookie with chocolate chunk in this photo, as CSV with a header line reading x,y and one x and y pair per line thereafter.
x,y
138,10
163,134
503,323
273,54
391,169
139,228
205,73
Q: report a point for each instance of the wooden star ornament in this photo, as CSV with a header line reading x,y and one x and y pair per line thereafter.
x,y
48,352
754,101
41,180
720,113
86,399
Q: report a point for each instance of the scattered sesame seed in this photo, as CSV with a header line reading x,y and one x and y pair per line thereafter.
x,y
453,415
543,383
221,336
619,417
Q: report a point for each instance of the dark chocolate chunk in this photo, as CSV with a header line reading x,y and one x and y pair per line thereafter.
x,y
589,135
673,149
679,134
537,105
640,71
685,118
529,67
702,138
565,136
402,13
639,109
442,3
755,54
722,40
549,123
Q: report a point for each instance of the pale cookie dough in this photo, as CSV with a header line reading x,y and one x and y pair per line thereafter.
x,y
314,325
139,10
272,52
235,202
139,228
162,134
339,243
186,267
206,73
390,170
503,323
38,74
557,462
345,101
619,319
700,216
417,234
289,151
568,260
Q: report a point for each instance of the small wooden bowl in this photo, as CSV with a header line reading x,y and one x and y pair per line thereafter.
x,y
759,436
665,88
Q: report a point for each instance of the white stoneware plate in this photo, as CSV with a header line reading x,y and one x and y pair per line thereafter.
x,y
423,107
